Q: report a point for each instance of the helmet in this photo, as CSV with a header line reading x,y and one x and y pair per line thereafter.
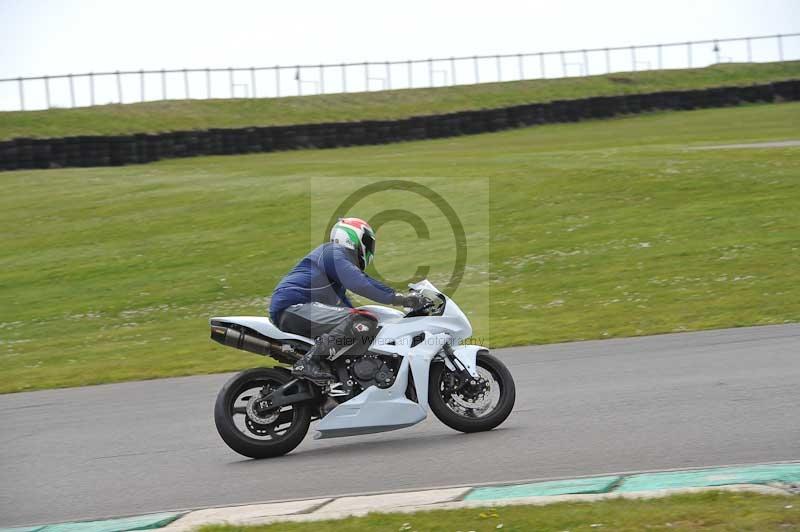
x,y
355,234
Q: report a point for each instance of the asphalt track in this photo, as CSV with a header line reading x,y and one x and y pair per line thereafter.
x,y
680,400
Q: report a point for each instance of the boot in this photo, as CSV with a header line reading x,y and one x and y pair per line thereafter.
x,y
313,367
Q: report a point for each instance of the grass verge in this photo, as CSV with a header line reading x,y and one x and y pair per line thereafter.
x,y
179,115
594,230
711,511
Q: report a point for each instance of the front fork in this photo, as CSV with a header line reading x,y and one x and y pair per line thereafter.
x,y
459,379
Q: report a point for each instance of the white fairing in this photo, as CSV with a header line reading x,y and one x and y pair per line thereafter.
x,y
376,409
383,314
264,326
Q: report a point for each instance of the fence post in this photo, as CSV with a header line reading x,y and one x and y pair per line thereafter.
x,y
388,66
299,79
71,91
21,95
277,81
47,90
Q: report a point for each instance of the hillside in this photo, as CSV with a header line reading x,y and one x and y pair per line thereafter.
x,y
176,115
576,231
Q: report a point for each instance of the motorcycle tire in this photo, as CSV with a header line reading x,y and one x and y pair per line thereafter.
x,y
439,397
243,439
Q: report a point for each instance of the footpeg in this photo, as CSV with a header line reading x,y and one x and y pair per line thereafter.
x,y
335,390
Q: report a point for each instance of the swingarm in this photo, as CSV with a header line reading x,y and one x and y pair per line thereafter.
x,y
293,392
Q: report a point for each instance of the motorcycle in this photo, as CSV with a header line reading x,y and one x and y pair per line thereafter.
x,y
417,362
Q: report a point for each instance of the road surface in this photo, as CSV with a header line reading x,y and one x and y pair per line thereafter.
x,y
681,400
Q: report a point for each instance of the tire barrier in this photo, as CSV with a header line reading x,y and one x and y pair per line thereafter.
x,y
85,151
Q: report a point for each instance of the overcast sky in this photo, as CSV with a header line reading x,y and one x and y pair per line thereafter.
x,y
54,37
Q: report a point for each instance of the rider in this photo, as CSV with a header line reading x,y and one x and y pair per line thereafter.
x,y
311,299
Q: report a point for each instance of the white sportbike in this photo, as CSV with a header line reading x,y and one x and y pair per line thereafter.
x,y
417,361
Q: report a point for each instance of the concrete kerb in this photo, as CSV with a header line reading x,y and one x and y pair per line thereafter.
x,y
324,514
249,514
319,509
769,479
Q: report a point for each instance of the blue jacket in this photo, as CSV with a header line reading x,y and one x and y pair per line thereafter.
x,y
324,276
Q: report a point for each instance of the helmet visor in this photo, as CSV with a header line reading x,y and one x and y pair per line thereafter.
x,y
368,240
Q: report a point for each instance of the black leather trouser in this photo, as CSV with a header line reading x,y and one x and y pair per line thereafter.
x,y
337,330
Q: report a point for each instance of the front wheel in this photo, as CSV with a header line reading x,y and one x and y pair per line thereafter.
x,y
469,408
244,430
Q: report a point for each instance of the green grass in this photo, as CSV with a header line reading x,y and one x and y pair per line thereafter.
x,y
711,511
591,230
203,114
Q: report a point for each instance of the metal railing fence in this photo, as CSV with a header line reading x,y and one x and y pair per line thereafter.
x,y
96,88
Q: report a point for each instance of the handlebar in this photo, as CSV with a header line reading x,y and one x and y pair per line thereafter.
x,y
423,309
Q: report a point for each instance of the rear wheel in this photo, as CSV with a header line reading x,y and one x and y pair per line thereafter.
x,y
247,432
472,408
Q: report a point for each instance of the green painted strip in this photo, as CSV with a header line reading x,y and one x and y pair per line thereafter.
x,y
555,487
721,476
139,522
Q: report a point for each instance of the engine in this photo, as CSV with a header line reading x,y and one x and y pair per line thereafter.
x,y
368,370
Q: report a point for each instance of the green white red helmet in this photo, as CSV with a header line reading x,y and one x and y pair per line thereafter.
x,y
355,234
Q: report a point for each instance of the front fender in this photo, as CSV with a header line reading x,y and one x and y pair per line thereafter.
x,y
467,355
